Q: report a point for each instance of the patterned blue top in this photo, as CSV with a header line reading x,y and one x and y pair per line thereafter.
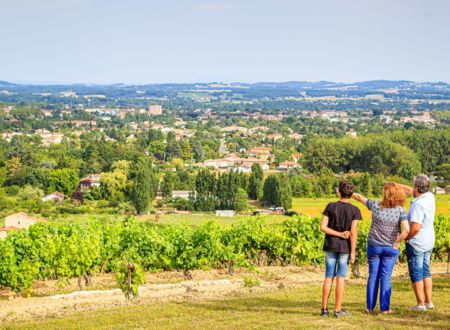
x,y
385,226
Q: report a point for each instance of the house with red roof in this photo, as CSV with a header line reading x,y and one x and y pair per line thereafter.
x,y
90,181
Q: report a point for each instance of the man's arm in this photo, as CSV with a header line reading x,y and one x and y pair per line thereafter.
x,y
417,216
403,235
353,239
327,230
414,230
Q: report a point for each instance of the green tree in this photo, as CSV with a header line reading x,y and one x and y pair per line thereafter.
x,y
173,148
277,191
167,185
142,191
255,182
186,150
29,193
301,187
205,195
64,180
13,166
240,200
178,163
121,165
377,184
366,185
114,186
321,154
197,150
444,172
327,182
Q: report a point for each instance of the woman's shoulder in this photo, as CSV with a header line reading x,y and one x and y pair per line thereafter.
x,y
373,204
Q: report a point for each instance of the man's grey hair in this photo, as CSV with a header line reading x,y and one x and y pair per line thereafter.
x,y
422,183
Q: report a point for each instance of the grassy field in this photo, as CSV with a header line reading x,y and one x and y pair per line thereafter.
x,y
309,206
275,309
315,206
197,219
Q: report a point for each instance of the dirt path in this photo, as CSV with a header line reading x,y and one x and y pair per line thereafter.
x,y
51,301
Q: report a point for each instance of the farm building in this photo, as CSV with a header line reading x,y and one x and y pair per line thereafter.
x,y
20,220
55,197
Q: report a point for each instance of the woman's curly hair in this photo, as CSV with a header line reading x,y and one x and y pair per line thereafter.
x,y
393,196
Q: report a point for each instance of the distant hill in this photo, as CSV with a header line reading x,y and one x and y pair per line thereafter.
x,y
298,85
5,83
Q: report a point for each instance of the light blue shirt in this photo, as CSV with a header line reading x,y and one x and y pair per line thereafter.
x,y
422,211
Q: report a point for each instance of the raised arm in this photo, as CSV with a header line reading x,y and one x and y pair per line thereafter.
x,y
327,230
360,198
403,235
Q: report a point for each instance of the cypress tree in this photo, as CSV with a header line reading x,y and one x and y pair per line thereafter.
x,y
366,185
277,191
142,191
167,185
255,182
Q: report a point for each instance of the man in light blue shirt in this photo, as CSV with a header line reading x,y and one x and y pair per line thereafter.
x,y
420,241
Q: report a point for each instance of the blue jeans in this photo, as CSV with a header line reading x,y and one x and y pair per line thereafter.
x,y
336,264
418,264
381,264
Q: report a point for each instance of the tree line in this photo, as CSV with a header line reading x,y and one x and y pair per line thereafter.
x,y
401,154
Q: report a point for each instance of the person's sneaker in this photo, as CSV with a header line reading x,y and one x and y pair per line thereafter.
x,y
341,313
324,312
418,308
429,305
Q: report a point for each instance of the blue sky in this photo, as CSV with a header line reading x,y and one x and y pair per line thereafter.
x,y
156,41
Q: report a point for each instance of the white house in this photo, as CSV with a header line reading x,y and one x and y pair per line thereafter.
x,y
55,197
244,168
219,163
180,194
90,181
287,165
439,191
225,213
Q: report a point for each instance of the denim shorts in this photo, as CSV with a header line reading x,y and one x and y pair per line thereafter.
x,y
418,264
336,264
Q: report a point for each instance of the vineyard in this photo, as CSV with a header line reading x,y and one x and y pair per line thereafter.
x,y
63,251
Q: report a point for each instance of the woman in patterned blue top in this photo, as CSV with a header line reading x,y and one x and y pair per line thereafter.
x,y
385,237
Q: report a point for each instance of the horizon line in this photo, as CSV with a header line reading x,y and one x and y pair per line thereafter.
x,y
248,82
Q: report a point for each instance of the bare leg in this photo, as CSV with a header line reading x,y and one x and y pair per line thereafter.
x,y
326,290
340,285
418,290
428,288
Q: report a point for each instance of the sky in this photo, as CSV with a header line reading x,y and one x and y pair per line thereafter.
x,y
159,41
